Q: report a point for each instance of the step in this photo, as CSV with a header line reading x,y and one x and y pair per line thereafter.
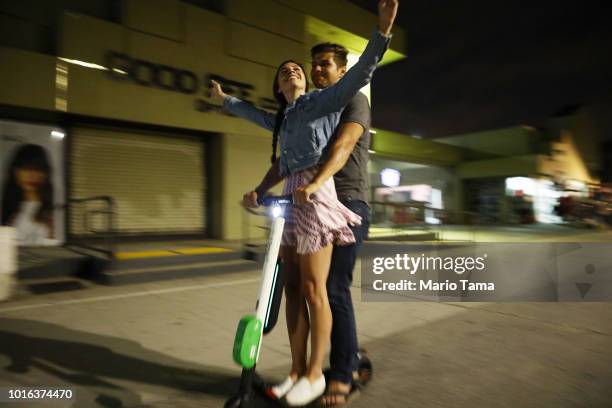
x,y
421,236
161,257
49,262
372,249
181,270
41,286
255,252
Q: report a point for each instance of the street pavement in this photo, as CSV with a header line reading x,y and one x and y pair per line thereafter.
x,y
168,344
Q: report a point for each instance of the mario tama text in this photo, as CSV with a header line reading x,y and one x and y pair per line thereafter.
x,y
431,285
442,273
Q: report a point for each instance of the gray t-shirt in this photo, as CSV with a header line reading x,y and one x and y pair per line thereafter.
x,y
352,180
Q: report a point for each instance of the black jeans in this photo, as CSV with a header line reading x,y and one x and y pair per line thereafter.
x,y
343,357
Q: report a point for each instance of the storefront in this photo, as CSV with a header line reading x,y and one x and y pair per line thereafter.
x,y
533,200
405,193
157,180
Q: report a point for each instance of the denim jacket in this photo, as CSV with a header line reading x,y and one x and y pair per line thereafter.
x,y
310,121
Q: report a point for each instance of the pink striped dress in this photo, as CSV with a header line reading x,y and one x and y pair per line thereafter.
x,y
311,227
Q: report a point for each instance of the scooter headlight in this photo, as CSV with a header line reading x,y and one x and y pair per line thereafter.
x,y
276,211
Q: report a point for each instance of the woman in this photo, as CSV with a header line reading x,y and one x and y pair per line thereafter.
x,y
27,195
305,122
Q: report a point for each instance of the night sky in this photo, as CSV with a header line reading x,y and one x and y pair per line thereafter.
x,y
478,65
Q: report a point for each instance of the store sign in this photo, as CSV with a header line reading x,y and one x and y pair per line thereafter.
x,y
145,73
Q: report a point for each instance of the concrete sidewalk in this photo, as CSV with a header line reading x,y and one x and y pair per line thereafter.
x,y
169,344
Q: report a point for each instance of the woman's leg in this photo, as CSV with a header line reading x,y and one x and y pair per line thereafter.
x,y
314,269
296,312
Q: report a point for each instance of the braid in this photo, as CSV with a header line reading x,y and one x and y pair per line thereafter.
x,y
280,116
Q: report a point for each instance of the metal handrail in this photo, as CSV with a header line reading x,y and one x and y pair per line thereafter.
x,y
107,234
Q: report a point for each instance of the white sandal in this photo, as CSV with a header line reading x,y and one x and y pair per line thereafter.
x,y
279,390
304,392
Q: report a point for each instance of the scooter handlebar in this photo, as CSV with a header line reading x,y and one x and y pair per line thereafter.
x,y
267,201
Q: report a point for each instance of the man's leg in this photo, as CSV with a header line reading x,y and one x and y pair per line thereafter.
x,y
343,355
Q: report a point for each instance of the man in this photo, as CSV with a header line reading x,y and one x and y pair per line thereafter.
x,y
346,160
347,155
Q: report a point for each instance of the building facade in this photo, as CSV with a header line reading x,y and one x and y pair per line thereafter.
x,y
116,92
123,87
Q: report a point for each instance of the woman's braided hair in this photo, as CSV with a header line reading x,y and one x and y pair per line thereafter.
x,y
282,104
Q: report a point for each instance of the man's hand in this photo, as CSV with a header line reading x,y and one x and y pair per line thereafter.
x,y
249,200
387,10
216,93
303,195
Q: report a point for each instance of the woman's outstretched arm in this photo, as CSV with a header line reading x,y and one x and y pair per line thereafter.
x,y
242,109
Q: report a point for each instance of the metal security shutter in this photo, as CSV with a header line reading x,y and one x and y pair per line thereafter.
x,y
157,181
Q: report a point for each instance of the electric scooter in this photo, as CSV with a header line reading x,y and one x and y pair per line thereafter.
x,y
251,328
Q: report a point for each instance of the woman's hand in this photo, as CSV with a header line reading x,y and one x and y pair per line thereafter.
x,y
249,200
387,10
303,195
216,93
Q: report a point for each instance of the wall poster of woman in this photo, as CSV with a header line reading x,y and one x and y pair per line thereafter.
x,y
32,192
